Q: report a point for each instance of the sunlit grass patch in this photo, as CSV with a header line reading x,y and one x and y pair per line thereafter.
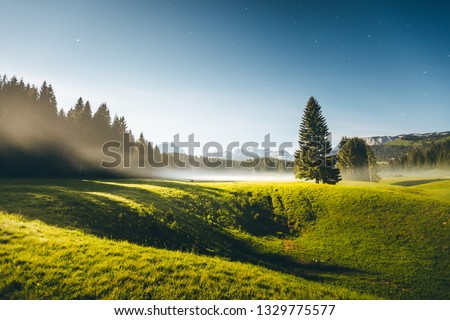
x,y
160,190
140,208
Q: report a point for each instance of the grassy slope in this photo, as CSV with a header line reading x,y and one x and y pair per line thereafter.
x,y
417,143
354,241
43,262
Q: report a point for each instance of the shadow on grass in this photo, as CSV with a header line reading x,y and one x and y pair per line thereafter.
x,y
412,183
161,222
319,272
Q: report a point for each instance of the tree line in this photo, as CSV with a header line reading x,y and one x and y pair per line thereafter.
x,y
38,139
435,155
386,152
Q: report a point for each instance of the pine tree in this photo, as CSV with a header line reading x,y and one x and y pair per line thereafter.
x,y
142,139
119,127
157,154
76,113
101,121
47,101
61,114
356,160
86,115
311,160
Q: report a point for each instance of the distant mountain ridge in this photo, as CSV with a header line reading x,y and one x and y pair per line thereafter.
x,y
386,148
381,140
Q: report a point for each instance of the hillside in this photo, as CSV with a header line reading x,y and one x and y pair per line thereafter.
x,y
386,148
49,262
382,140
136,239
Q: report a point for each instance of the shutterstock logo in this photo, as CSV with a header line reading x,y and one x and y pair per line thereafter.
x,y
250,154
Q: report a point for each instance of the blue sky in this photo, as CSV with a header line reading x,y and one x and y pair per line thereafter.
x,y
237,70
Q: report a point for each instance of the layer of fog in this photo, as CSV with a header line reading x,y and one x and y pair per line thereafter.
x,y
232,175
416,173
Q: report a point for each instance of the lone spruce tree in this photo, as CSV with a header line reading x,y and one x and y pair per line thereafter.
x,y
311,160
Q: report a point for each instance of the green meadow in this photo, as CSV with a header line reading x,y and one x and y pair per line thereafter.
x,y
161,239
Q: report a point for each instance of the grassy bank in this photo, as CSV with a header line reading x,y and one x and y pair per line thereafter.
x,y
141,239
